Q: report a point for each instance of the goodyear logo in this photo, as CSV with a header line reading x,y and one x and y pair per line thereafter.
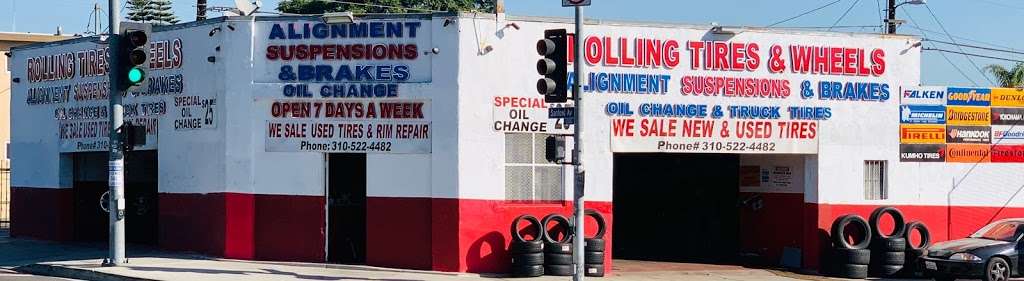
x,y
969,96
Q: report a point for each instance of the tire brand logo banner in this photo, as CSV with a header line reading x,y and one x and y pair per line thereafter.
x,y
968,134
1007,116
1008,97
969,96
930,95
1006,134
922,153
968,115
1008,153
968,153
935,134
922,114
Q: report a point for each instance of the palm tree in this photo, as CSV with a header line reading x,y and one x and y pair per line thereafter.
x,y
1008,78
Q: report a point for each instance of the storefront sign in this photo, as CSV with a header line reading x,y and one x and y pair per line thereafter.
x,y
969,96
968,115
1008,134
1008,97
1007,116
1008,153
361,126
922,153
923,95
714,136
922,114
526,115
968,153
922,134
195,113
968,134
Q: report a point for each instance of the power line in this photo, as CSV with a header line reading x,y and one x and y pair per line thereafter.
x,y
971,54
915,26
969,59
974,46
804,13
844,14
958,70
878,8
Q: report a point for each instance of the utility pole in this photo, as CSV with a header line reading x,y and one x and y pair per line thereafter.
x,y
577,150
115,165
890,20
96,18
200,10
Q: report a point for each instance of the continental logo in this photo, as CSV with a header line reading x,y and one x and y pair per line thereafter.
x,y
922,134
969,96
968,153
968,115
1007,97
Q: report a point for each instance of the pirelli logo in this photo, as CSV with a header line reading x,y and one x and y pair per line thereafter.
x,y
923,134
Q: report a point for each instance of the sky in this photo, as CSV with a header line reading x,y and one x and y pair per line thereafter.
x,y
985,23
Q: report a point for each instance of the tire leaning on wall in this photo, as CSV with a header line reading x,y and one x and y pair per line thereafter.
x,y
527,255
887,249
851,259
913,266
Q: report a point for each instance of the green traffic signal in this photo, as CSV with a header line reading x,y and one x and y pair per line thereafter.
x,y
135,75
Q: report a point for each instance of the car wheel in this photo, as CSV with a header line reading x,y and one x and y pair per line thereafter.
x,y
997,270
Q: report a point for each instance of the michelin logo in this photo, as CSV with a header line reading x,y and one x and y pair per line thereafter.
x,y
922,114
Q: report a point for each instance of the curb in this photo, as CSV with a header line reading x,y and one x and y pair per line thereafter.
x,y
74,273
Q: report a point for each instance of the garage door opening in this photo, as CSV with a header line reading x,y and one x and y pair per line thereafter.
x,y
90,182
346,208
676,208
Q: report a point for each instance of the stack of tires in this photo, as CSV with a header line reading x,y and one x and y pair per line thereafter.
x,y
557,253
851,259
527,255
593,258
913,267
887,250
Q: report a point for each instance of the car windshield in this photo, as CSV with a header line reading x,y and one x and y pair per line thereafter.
x,y
1003,231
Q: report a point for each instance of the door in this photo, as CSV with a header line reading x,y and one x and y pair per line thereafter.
x,y
346,208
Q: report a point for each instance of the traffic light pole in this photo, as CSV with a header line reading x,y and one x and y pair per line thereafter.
x,y
577,160
116,162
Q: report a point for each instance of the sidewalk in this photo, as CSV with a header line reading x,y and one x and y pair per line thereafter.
x,y
82,261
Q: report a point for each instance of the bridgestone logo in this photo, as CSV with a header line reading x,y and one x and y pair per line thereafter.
x,y
969,116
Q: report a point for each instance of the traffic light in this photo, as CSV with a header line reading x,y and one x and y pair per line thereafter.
x,y
133,54
553,66
131,136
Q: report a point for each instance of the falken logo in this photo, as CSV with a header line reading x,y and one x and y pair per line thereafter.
x,y
919,94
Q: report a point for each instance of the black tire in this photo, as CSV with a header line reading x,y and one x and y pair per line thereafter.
x,y
593,257
560,221
527,271
886,270
889,258
557,259
926,237
992,266
841,223
600,222
527,259
533,220
899,225
594,245
525,247
853,271
895,244
853,256
558,270
593,270
558,248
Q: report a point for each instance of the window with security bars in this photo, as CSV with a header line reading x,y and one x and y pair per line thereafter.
x,y
528,174
876,180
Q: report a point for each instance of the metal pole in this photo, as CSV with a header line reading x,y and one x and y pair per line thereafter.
x,y
116,164
577,160
890,21
200,10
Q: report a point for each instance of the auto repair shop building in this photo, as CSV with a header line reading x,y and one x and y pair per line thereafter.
x,y
412,141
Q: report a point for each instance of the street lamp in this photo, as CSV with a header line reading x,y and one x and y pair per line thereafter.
x,y
891,22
